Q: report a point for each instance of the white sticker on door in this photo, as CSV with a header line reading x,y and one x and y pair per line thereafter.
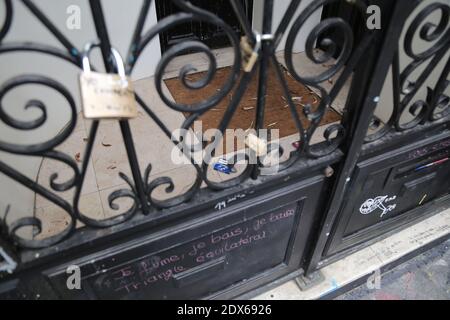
x,y
380,202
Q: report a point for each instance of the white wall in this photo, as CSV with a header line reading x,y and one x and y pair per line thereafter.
x,y
279,9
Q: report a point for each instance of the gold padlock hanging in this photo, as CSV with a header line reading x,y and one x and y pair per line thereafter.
x,y
106,95
250,55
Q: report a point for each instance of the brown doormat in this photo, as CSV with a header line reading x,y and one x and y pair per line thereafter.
x,y
277,113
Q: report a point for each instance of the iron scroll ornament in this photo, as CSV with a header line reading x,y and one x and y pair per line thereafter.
x,y
141,188
435,105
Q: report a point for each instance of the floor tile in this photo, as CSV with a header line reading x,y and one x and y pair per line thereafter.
x,y
55,219
74,147
182,177
119,206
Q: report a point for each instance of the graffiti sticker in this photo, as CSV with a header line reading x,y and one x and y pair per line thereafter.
x,y
380,202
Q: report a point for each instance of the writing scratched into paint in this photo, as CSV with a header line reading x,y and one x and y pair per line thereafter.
x,y
426,150
148,271
224,203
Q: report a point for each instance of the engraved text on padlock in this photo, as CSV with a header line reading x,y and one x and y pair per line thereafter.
x,y
107,96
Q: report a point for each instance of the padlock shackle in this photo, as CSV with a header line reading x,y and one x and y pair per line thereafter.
x,y
258,39
117,59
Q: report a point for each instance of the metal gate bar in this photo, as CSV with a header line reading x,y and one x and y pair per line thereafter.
x,y
368,63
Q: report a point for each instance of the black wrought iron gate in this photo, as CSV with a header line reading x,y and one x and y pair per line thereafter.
x,y
223,238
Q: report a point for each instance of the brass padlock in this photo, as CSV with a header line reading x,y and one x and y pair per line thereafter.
x,y
106,95
250,55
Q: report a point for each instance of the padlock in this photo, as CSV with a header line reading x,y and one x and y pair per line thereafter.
x,y
258,145
106,95
250,55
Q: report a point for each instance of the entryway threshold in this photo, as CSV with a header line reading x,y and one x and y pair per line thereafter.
x,y
364,266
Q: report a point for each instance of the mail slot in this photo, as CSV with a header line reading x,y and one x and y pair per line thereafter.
x,y
392,189
224,254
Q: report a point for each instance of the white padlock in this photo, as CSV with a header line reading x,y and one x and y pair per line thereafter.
x,y
256,144
106,95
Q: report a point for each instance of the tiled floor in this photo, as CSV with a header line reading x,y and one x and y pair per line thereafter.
x,y
152,145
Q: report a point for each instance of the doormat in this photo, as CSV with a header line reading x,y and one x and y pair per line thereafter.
x,y
277,113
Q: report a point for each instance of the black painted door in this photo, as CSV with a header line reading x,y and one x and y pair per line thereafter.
x,y
209,34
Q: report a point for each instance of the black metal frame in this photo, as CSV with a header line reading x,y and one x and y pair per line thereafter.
x,y
367,63
214,40
394,134
141,188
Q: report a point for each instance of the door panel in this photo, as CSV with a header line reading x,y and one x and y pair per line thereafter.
x,y
392,185
381,187
217,229
204,258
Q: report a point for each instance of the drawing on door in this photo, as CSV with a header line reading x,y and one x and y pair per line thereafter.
x,y
370,205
